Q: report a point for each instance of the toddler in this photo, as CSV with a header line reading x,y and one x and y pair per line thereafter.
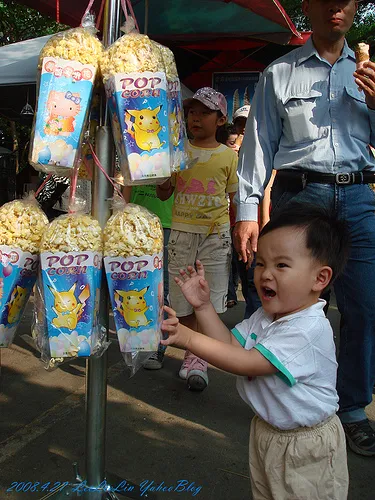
x,y
284,355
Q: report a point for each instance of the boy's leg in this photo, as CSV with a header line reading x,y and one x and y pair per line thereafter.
x,y
214,251
301,463
193,369
258,477
155,361
182,252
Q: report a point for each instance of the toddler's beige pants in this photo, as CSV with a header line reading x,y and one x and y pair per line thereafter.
x,y
307,463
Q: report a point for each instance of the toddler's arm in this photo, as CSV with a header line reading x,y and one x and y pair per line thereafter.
x,y
196,291
230,358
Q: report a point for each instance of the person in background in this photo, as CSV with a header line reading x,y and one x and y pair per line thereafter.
x,y
231,137
312,119
200,218
146,196
284,356
246,273
227,135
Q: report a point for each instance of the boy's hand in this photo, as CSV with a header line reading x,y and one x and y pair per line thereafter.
x,y
176,335
194,287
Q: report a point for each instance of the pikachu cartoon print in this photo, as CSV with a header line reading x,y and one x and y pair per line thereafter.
x,y
145,128
16,303
132,306
67,308
174,126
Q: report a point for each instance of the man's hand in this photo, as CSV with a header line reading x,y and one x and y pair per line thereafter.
x,y
178,335
365,79
194,286
245,239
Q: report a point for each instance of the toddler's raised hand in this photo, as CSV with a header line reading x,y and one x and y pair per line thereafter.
x,y
194,286
176,335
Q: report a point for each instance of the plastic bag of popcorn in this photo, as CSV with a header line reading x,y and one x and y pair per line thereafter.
x,y
177,129
71,261
133,261
22,223
136,86
68,65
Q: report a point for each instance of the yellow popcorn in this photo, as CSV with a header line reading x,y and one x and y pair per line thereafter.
x,y
78,44
131,53
169,61
132,232
72,233
21,225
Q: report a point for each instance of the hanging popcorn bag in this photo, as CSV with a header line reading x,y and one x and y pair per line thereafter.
x,y
71,261
177,129
133,260
136,87
21,226
68,65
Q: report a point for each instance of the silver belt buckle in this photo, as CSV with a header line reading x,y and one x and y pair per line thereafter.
x,y
347,178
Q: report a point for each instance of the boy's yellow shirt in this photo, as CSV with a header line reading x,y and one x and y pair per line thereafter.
x,y
200,204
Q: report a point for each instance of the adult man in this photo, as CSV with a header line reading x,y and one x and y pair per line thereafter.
x,y
313,121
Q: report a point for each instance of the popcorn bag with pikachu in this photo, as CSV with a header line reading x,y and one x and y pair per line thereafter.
x,y
133,260
177,129
136,87
68,65
71,261
22,223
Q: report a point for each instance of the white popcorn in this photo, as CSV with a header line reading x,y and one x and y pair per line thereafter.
x,y
22,224
131,53
72,233
132,232
77,44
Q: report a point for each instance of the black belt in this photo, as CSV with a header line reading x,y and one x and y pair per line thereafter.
x,y
341,179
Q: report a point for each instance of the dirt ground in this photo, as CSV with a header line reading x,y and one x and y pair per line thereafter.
x,y
158,434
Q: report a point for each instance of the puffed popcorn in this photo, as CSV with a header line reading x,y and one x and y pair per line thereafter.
x,y
169,61
22,224
132,232
131,53
77,44
74,232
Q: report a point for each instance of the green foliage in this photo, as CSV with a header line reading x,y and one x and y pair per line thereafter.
x,y
18,23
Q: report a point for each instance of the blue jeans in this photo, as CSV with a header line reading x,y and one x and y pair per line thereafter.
x,y
167,233
249,291
354,289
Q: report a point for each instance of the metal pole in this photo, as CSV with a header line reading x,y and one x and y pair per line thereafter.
x,y
96,385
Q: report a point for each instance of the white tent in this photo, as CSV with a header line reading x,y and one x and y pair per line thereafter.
x,y
19,61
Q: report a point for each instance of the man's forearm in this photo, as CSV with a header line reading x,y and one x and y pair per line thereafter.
x,y
211,325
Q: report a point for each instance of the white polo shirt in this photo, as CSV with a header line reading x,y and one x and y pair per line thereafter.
x,y
300,345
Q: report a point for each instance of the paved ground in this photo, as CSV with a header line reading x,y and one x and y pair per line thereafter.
x,y
157,430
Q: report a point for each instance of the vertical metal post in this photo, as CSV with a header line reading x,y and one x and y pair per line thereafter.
x,y
96,383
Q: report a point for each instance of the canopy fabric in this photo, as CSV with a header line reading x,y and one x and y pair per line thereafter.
x,y
182,19
19,61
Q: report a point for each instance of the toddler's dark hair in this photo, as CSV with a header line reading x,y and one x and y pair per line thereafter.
x,y
223,132
327,237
